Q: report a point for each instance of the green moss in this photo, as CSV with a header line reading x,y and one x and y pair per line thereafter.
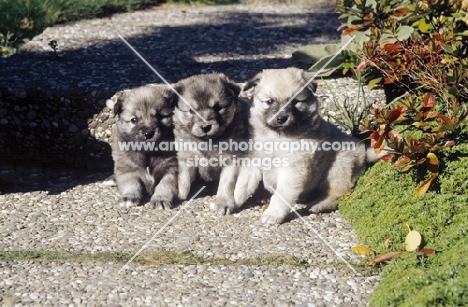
x,y
384,200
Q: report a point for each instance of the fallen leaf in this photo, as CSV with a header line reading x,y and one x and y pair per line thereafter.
x,y
363,250
422,189
426,251
413,241
265,206
388,242
432,163
385,257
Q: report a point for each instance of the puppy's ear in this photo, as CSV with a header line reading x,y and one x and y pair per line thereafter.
x,y
253,82
233,90
118,106
174,99
312,86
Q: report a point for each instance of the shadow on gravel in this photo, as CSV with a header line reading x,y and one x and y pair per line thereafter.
x,y
48,122
22,179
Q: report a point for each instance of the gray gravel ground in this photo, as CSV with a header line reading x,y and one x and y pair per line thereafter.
x,y
74,211
47,209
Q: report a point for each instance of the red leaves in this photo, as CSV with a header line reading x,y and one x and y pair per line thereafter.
x,y
377,141
385,257
427,251
401,12
413,242
403,160
395,114
406,151
428,102
391,47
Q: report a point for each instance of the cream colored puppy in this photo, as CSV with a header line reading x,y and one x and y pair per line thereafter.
x,y
317,174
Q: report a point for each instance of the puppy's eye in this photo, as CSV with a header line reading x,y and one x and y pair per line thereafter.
x,y
299,104
267,103
218,108
134,120
192,111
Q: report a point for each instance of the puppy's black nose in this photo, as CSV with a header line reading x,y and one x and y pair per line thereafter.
x,y
149,135
206,128
282,119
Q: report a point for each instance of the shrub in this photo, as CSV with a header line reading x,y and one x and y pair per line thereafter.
x,y
421,47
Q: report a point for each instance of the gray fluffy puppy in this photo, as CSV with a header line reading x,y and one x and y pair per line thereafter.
x,y
209,110
145,117
313,176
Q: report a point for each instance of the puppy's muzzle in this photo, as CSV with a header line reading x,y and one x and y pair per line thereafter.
x,y
149,135
281,119
206,128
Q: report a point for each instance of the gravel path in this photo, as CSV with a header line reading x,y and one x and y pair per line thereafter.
x,y
47,209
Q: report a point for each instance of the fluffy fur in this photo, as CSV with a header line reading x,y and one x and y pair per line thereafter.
x,y
145,115
317,178
210,110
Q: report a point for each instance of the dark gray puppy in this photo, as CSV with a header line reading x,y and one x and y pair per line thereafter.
x,y
145,119
324,167
209,112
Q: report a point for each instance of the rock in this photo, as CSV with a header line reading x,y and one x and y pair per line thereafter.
x,y
103,117
20,92
10,301
46,123
31,115
3,112
111,120
93,125
83,114
110,104
72,128
3,121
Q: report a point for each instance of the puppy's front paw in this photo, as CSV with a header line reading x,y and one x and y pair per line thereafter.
x,y
160,203
128,201
271,216
224,205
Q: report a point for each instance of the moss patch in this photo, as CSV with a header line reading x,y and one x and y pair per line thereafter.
x,y
380,205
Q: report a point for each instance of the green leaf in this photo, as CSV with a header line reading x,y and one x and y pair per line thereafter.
x,y
333,66
405,32
374,82
423,26
313,53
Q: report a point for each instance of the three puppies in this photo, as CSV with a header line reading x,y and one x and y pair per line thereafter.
x,y
207,113
313,175
144,119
